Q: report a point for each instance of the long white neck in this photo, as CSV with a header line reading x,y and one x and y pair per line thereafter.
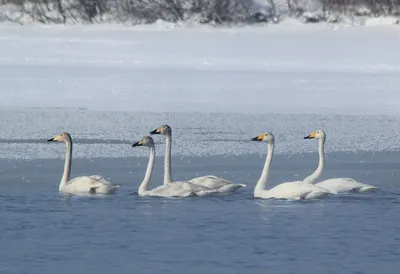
x,y
67,165
262,182
318,172
167,159
145,183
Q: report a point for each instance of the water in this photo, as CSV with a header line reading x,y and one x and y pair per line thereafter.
x,y
43,231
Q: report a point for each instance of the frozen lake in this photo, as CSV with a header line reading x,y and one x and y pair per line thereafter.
x,y
238,233
110,85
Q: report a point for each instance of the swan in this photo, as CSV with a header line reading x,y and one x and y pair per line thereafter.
x,y
336,184
289,190
94,184
209,181
177,189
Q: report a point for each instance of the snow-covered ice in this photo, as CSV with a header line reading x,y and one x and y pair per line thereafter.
x,y
110,84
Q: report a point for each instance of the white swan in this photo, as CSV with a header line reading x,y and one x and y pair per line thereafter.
x,y
177,189
94,184
209,181
336,184
290,190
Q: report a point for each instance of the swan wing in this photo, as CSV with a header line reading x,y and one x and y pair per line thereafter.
x,y
345,185
210,181
229,188
213,182
178,189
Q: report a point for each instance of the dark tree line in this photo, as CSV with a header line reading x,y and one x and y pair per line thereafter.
x,y
139,11
347,7
202,11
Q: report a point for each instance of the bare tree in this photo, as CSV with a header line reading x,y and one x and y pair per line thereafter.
x,y
202,11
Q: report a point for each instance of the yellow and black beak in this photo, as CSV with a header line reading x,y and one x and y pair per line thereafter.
x,y
54,139
156,131
311,136
137,144
258,138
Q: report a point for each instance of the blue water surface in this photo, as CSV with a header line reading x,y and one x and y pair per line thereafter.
x,y
43,231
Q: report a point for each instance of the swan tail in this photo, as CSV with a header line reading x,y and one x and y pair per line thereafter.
x,y
332,191
368,188
230,188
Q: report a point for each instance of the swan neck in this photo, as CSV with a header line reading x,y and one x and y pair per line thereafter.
x,y
145,183
67,165
262,182
167,159
318,172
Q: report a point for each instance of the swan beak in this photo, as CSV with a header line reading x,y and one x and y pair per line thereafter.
x,y
137,144
311,136
156,131
258,138
55,139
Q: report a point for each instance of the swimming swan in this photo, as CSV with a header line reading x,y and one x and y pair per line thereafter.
x,y
290,190
336,184
94,184
177,189
208,181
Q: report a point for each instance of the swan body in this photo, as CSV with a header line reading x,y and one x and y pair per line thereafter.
x,y
94,184
290,190
294,191
89,184
334,185
177,189
209,181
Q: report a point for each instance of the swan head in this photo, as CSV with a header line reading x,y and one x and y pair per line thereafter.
x,y
62,137
146,141
164,130
319,134
266,137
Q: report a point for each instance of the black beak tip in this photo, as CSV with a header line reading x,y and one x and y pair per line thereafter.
x,y
50,140
154,132
135,144
254,139
307,137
